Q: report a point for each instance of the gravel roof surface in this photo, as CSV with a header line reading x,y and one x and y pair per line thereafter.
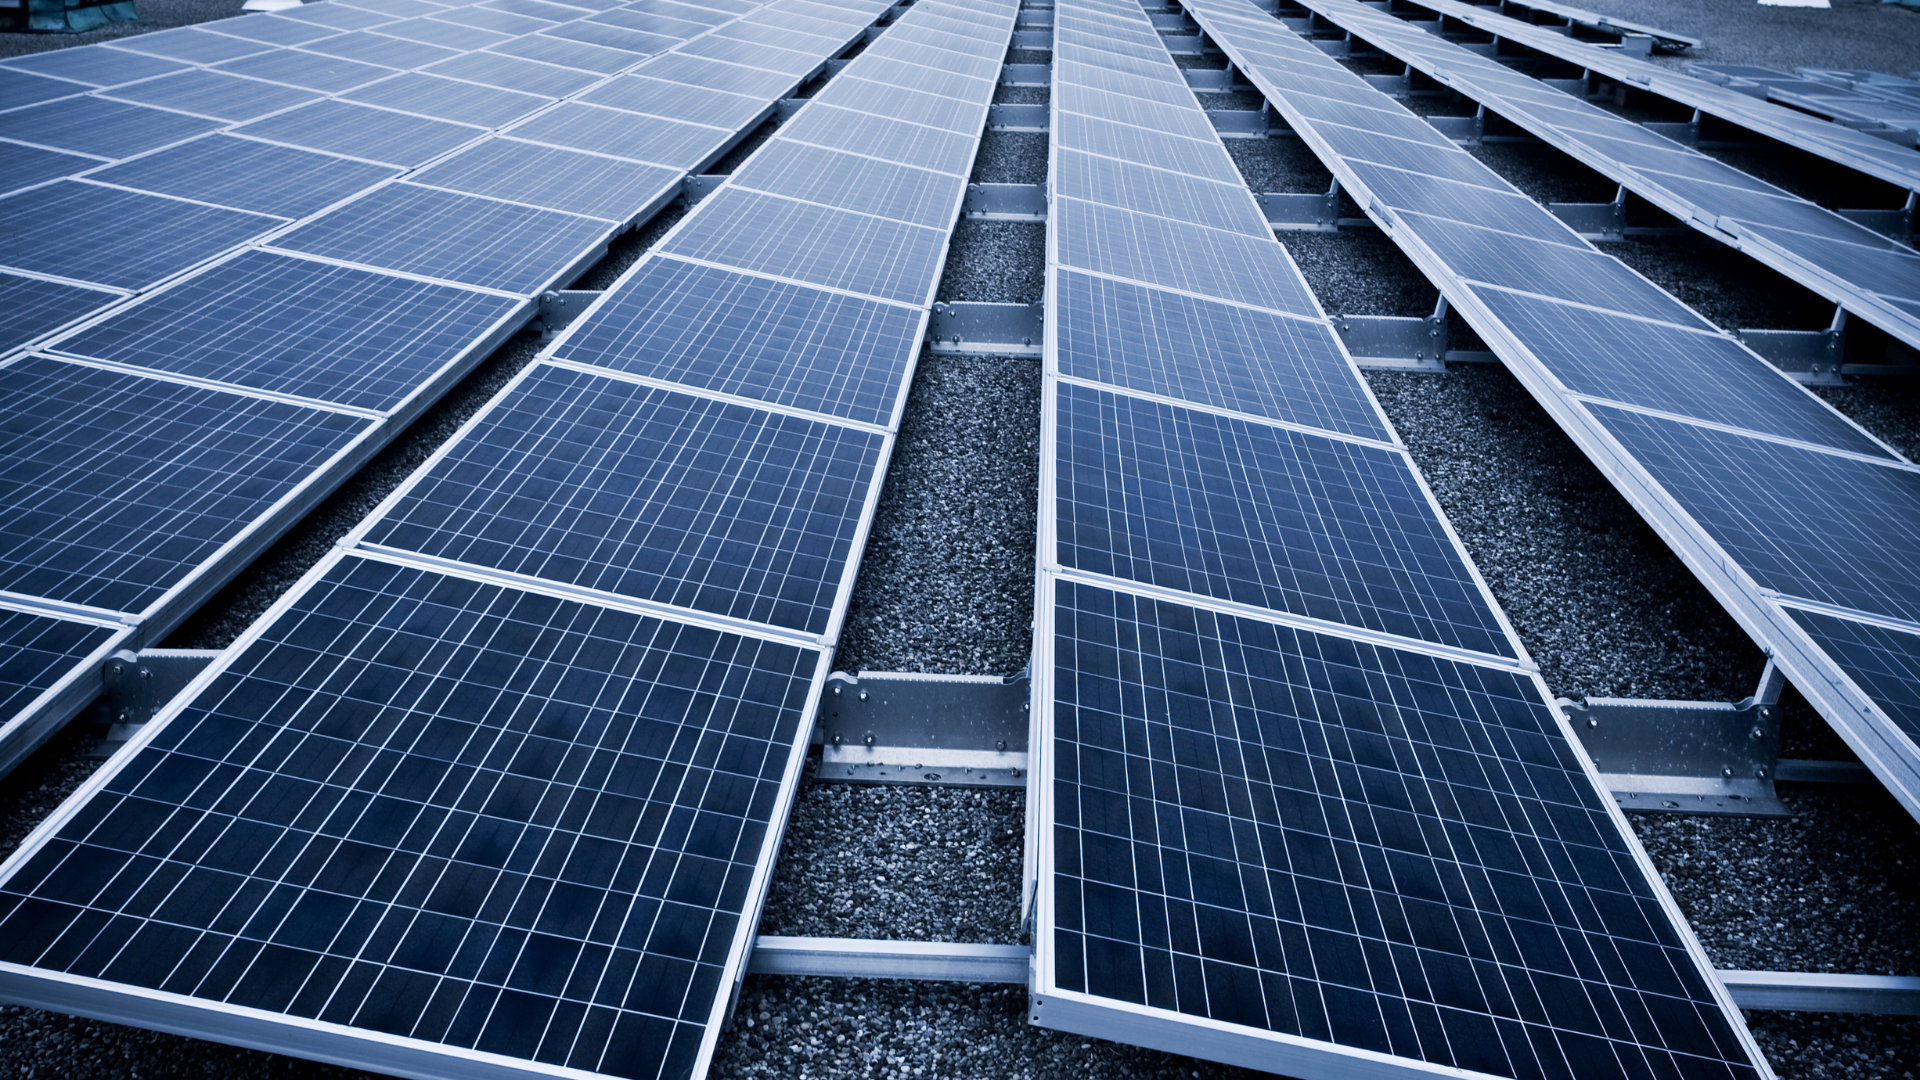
x,y
946,586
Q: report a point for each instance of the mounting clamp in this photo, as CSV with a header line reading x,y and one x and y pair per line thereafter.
x,y
986,329
134,686
890,727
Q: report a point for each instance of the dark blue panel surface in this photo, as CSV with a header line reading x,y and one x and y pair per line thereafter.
x,y
571,54
36,652
1391,852
108,129
249,175
1228,357
1263,516
1838,530
816,244
19,88
332,17
714,75
1231,266
445,34
678,101
512,73
113,487
622,134
449,99
1704,376
664,25
455,237
1180,196
191,45
613,37
360,131
751,337
1507,211
852,182
125,239
427,808
299,25
25,166
1162,150
1417,155
1884,663
293,326
30,307
327,74
606,188
95,65
881,136
791,64
370,48
639,491
215,94
487,18
859,95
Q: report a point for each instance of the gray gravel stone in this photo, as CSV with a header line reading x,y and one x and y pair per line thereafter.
x,y
1011,157
996,262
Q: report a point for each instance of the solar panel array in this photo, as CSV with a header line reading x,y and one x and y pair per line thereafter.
x,y
373,233
1855,97
1785,509
1582,17
1301,802
1857,150
496,788
1874,277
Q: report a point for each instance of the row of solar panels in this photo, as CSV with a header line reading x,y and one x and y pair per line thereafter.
x,y
1854,97
1873,276
1792,515
1869,154
155,449
497,787
1302,803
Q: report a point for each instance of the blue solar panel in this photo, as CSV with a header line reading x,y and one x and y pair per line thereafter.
x,y
714,75
536,9
559,869
395,9
370,48
1350,844
448,99
363,132
1262,516
693,13
1508,211
572,54
123,239
275,30
510,73
754,338
815,244
786,62
1884,663
214,94
91,125
850,182
19,89
30,307
95,65
1162,150
294,326
1180,196
485,18
190,45
1218,355
311,71
614,37
1231,266
332,16
664,25
248,175
643,492
678,101
37,651
850,92
25,166
446,34
623,134
782,37
454,237
606,188
881,136
116,487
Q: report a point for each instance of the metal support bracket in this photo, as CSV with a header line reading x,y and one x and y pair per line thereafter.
x,y
1239,123
1006,202
1465,130
1026,75
1210,80
784,109
868,958
1037,40
135,685
1171,20
986,329
1184,44
1813,357
886,727
1685,132
1897,224
1017,118
699,187
1599,222
557,309
1692,757
1396,342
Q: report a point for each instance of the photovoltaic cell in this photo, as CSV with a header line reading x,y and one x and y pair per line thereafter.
x,y
1884,663
715,75
334,17
274,30
750,337
1147,340
606,188
211,93
19,88
248,175
880,136
815,244
613,37
116,487
849,92
622,134
454,237
30,307
511,73
1507,211
678,101
572,54
448,99
190,45
361,131
92,125
1232,266
430,31
1180,196
95,65
499,22
25,166
311,71
1327,839
1156,148
37,651
801,171
123,239
791,64
665,26
1259,515
643,492
293,326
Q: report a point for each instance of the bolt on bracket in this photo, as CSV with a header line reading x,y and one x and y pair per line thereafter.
x,y
890,727
135,686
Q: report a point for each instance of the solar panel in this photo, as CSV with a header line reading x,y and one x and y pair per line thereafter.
x,y
121,239
369,48
608,188
433,31
94,65
653,24
310,71
1747,475
1882,661
189,45
622,134
248,175
448,99
453,237
1302,803
39,652
213,94
851,182
360,131
333,16
31,307
511,73
19,88
117,487
697,104
681,67
614,37
485,18
97,126
572,54
293,326
791,64
300,26
820,124
25,166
